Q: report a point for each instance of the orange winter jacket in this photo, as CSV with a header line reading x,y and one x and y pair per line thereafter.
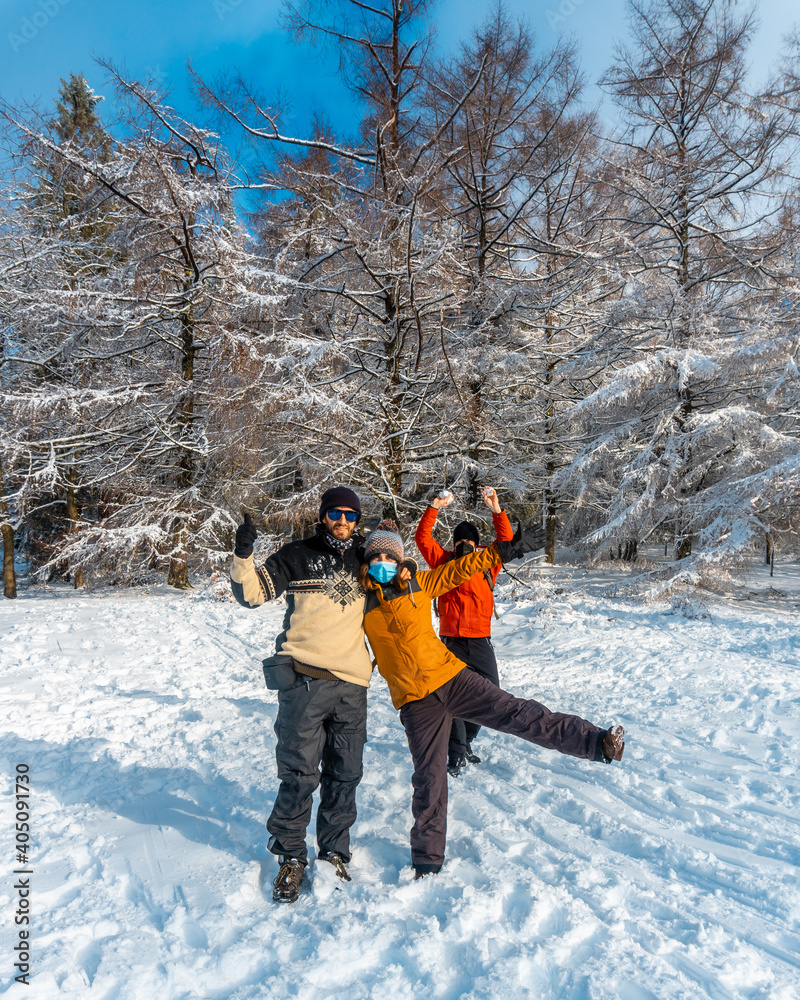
x,y
467,611
412,660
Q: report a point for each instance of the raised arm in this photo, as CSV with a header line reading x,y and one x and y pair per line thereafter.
x,y
454,572
251,585
254,585
435,582
503,531
432,552
502,526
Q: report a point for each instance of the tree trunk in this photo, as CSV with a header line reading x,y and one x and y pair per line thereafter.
x,y
73,515
394,454
474,415
683,547
9,576
550,528
630,550
551,504
550,327
178,575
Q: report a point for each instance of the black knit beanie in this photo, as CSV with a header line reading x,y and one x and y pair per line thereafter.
x,y
338,496
466,530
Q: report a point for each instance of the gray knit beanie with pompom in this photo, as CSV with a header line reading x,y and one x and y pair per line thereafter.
x,y
385,538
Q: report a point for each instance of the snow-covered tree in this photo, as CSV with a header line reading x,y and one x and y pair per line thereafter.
x,y
127,387
54,241
495,179
689,413
698,182
357,226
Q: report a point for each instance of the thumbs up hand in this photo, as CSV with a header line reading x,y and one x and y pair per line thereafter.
x,y
246,535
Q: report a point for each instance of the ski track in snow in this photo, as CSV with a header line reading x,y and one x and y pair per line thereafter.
x,y
148,731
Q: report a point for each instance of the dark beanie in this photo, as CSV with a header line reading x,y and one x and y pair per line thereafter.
x,y
466,530
338,496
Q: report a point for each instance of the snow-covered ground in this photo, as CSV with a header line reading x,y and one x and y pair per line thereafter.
x,y
148,732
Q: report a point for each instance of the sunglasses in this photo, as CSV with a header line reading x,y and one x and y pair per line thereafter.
x,y
335,514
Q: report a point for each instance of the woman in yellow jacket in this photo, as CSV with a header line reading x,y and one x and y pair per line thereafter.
x,y
431,687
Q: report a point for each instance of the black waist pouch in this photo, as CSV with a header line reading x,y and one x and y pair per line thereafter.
x,y
279,672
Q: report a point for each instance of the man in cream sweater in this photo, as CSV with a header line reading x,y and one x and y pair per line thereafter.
x,y
321,672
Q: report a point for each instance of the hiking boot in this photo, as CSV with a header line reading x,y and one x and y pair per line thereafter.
x,y
286,887
338,863
455,765
613,744
472,758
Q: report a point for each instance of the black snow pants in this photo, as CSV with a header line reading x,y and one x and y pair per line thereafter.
x,y
319,722
475,699
478,655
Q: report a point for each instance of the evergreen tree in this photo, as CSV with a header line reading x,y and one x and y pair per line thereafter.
x,y
686,420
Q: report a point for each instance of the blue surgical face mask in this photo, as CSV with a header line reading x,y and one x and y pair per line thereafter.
x,y
383,572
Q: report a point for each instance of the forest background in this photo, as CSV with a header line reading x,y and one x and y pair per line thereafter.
x,y
485,281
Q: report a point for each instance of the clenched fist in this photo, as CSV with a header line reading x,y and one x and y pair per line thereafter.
x,y
444,499
490,499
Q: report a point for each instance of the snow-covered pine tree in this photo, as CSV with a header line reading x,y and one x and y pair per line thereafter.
x,y
685,434
566,245
495,178
358,226
151,338
56,240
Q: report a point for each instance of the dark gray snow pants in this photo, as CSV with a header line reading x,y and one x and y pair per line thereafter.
x,y
321,729
478,654
475,699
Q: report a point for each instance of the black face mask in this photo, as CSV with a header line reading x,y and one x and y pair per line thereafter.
x,y
462,548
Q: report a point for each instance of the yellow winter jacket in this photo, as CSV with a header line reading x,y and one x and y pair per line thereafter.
x,y
410,657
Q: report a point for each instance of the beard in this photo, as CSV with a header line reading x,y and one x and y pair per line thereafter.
x,y
341,529
463,548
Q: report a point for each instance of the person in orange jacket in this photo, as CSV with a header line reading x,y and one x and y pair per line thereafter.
x,y
465,614
430,686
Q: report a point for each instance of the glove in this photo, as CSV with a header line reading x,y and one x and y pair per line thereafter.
x,y
246,535
526,538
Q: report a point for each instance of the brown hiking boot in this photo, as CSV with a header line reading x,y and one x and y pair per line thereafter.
x,y
286,887
613,744
338,863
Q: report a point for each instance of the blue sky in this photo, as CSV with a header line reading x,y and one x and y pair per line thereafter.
x,y
44,40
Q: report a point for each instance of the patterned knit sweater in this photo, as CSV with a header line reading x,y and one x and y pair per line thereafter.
x,y
324,623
